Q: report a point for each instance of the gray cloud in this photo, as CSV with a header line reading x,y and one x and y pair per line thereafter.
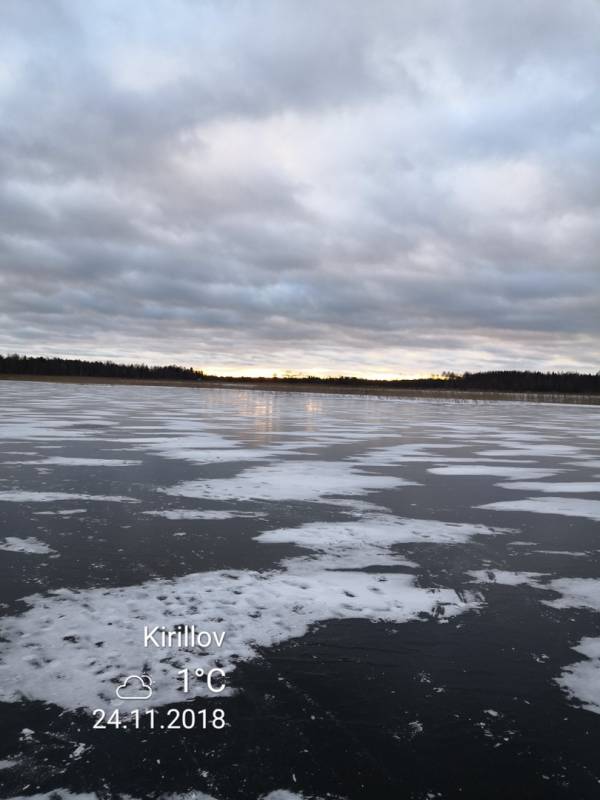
x,y
344,186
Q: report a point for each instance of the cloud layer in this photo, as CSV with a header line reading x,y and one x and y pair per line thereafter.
x,y
379,188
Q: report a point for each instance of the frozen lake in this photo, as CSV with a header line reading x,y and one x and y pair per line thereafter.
x,y
408,594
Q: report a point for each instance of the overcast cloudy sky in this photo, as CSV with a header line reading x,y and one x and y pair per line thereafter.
x,y
354,186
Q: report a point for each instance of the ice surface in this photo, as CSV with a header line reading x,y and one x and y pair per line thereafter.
x,y
72,646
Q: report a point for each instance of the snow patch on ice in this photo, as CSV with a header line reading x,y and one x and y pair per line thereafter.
x,y
285,794
218,455
581,681
402,453
565,506
65,512
499,470
58,794
277,794
49,497
575,593
539,486
184,513
197,447
80,462
194,795
29,545
506,577
73,647
367,541
536,450
290,480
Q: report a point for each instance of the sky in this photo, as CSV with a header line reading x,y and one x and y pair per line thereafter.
x,y
325,186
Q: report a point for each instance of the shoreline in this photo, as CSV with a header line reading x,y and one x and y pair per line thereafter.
x,y
312,388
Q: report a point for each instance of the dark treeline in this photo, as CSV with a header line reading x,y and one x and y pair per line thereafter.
x,y
514,381
38,365
496,381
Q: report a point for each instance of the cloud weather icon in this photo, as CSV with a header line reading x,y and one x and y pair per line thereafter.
x,y
135,687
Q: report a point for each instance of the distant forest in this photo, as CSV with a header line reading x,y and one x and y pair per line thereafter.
x,y
38,365
495,381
